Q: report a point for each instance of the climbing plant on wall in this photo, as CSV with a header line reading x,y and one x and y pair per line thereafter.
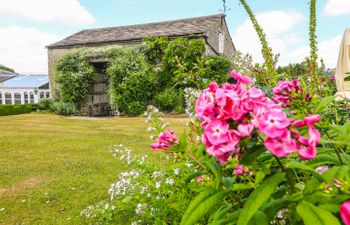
x,y
157,70
75,75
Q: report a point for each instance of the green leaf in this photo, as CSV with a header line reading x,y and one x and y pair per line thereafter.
x,y
322,105
272,207
220,212
258,197
215,168
229,219
250,156
339,172
301,166
313,215
195,175
202,205
259,219
347,78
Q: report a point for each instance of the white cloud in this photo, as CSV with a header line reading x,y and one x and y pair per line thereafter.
x,y
337,7
23,49
279,26
329,50
69,12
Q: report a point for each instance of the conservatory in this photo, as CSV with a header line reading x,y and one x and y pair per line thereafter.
x,y
24,89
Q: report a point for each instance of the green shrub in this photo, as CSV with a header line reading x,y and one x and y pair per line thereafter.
x,y
6,110
75,75
135,108
131,80
63,108
169,100
45,105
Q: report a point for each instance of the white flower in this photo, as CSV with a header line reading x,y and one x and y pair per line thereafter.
x,y
169,181
157,174
188,165
158,184
177,171
140,208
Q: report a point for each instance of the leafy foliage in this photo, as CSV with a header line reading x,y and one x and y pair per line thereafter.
x,y
132,82
75,75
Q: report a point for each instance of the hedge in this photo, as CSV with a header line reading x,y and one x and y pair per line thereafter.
x,y
6,110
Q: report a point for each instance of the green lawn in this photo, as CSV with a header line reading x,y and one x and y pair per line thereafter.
x,y
51,167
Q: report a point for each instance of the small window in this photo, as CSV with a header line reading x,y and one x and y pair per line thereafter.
x,y
18,98
47,95
221,42
42,95
8,98
0,98
26,100
31,97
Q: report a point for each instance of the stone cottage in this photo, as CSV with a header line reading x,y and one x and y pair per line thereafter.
x,y
212,29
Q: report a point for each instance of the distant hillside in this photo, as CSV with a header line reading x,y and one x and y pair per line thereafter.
x,y
2,67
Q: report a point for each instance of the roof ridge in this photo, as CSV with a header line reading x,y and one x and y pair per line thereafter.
x,y
159,22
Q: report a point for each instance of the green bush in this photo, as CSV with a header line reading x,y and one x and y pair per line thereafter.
x,y
135,108
63,108
75,75
6,110
45,105
131,80
169,100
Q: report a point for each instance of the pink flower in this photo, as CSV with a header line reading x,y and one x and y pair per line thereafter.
x,y
281,146
311,119
345,212
314,136
239,170
165,140
307,153
283,91
216,131
240,78
245,130
200,179
273,124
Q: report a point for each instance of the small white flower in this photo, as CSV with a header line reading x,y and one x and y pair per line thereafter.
x,y
188,165
169,181
177,171
158,184
2,209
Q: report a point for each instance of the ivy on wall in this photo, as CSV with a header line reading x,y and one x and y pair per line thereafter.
x,y
75,75
156,72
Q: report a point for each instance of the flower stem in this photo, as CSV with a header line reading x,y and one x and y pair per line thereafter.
x,y
289,179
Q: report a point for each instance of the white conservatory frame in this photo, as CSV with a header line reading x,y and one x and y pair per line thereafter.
x,y
25,96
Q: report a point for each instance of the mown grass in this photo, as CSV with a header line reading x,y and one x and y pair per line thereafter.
x,y
52,167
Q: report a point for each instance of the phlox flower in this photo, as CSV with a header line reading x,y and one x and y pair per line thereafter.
x,y
345,212
274,124
165,140
281,146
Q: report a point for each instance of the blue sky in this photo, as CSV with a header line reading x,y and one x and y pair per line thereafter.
x,y
26,26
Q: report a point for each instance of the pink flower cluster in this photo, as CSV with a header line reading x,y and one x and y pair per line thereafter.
x,y
165,140
240,170
345,212
231,112
284,91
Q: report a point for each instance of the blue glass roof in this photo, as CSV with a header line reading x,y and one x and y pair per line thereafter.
x,y
25,81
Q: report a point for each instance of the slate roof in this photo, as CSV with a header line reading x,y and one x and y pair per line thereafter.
x,y
25,81
171,28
